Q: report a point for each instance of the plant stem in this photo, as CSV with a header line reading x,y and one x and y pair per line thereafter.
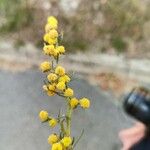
x,y
68,119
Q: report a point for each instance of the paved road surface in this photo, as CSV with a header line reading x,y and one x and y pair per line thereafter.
x,y
21,99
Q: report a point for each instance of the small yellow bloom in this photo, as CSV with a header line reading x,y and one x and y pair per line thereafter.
x,y
53,138
64,78
52,77
52,21
53,122
61,49
74,102
60,71
51,89
52,41
85,103
43,115
53,33
68,92
61,85
47,28
45,66
55,54
66,141
57,146
46,37
49,49
45,88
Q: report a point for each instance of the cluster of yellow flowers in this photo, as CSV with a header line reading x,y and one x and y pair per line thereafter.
x,y
57,84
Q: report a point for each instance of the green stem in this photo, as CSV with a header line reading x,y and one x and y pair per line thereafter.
x,y
68,119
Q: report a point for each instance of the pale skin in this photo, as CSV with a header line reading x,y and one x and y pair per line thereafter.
x,y
131,136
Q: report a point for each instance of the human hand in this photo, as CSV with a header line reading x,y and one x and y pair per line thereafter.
x,y
131,136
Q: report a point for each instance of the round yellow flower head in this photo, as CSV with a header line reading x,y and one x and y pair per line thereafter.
x,y
52,21
74,102
53,138
55,54
61,85
46,37
53,122
45,88
68,92
43,115
49,49
60,71
85,103
66,141
53,33
52,41
51,89
64,78
47,28
52,77
61,49
57,146
45,66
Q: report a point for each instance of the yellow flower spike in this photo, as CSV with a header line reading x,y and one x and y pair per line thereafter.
x,y
57,146
52,21
53,33
85,103
43,115
68,92
52,77
61,85
47,28
60,71
45,66
45,88
48,49
53,122
61,49
52,41
66,141
74,102
64,78
53,138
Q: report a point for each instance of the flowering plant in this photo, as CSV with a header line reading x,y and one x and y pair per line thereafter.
x,y
57,84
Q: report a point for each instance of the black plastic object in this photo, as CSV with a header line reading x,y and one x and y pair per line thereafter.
x,y
137,105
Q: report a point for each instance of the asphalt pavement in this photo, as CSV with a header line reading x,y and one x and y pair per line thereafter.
x,y
21,99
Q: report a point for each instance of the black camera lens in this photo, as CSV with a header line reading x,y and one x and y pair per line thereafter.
x,y
137,105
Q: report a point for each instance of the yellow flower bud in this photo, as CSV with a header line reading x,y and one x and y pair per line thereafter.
x,y
53,138
53,33
52,41
55,54
47,28
85,103
43,115
53,122
61,85
51,89
46,37
74,102
68,92
66,141
52,77
45,66
64,78
61,49
57,146
52,21
60,71
45,88
49,49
